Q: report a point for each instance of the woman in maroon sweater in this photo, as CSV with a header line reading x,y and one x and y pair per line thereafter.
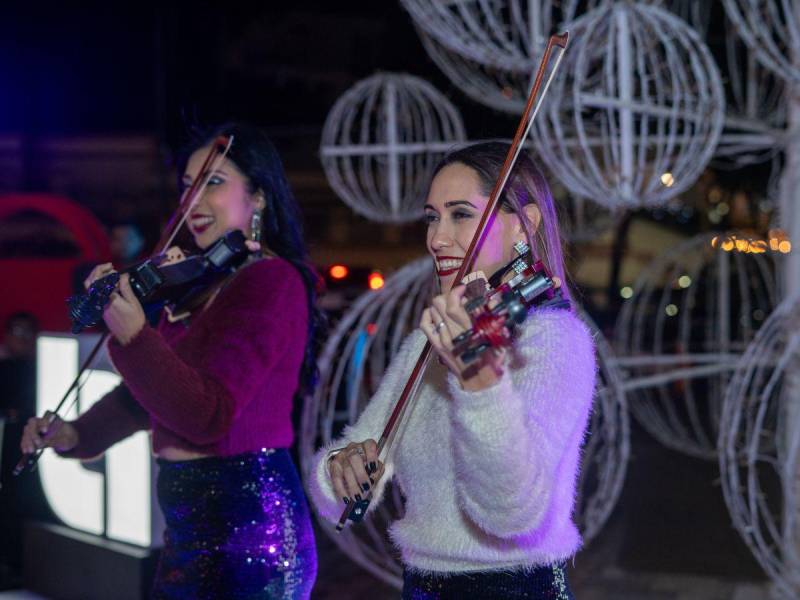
x,y
216,390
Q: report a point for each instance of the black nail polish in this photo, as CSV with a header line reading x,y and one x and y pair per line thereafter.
x,y
346,499
373,466
365,486
358,497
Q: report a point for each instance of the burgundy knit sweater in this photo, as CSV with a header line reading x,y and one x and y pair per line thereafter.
x,y
220,386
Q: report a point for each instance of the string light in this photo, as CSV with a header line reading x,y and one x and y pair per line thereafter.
x,y
626,292
667,179
777,242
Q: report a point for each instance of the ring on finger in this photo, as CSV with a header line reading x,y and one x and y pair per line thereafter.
x,y
439,326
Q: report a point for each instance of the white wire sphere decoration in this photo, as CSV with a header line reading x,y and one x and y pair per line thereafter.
x,y
352,363
692,312
771,30
636,111
489,50
381,141
759,445
756,119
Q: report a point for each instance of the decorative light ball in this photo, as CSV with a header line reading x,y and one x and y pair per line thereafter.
x,y
352,363
638,96
489,50
770,30
756,119
689,318
759,445
381,141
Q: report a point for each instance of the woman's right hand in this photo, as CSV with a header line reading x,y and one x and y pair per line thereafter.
x,y
355,470
48,432
99,271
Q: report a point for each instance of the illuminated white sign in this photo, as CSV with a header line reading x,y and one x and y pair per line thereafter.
x,y
117,504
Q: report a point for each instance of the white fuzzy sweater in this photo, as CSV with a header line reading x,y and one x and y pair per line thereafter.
x,y
488,477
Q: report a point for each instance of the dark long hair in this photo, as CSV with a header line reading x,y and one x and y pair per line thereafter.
x,y
281,231
526,185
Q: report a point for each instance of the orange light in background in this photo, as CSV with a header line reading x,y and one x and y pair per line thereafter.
x,y
375,281
338,271
785,247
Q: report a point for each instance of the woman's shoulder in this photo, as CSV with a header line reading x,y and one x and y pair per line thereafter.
x,y
557,327
263,282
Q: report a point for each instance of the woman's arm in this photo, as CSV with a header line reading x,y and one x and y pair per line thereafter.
x,y
510,439
261,314
111,419
369,425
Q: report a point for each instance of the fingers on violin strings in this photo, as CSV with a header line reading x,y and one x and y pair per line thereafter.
x,y
426,323
99,271
442,328
454,309
125,289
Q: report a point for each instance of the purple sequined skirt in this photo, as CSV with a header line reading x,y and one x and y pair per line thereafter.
x,y
539,583
237,527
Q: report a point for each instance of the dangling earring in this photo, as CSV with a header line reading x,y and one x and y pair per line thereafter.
x,y
255,225
522,249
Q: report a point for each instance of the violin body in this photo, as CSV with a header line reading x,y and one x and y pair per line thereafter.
x,y
497,313
179,284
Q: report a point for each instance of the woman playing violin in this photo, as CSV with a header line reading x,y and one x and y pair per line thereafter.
x,y
486,458
216,389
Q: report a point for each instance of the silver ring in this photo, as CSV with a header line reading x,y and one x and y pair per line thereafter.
x,y
439,326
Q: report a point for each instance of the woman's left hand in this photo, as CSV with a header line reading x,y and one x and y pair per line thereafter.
x,y
124,315
444,321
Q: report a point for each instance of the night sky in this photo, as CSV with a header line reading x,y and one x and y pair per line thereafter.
x,y
103,68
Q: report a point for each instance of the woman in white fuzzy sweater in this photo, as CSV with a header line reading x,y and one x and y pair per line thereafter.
x,y
487,463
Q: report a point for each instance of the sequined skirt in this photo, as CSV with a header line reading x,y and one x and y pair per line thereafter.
x,y
237,527
539,583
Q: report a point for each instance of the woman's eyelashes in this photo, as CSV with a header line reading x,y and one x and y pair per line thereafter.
x,y
456,215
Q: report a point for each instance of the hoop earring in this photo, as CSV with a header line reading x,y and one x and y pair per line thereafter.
x,y
255,226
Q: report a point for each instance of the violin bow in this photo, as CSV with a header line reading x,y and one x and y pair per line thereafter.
x,y
535,99
216,155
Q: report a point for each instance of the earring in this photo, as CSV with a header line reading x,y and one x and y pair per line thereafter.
x,y
255,225
522,249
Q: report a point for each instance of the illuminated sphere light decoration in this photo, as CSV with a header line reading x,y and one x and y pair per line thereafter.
x,y
381,141
689,317
771,30
351,365
759,445
638,98
489,50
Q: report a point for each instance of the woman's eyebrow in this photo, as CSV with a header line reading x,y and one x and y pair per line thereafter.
x,y
459,202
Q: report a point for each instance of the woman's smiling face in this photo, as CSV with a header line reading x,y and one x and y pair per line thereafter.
x,y
226,205
453,210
